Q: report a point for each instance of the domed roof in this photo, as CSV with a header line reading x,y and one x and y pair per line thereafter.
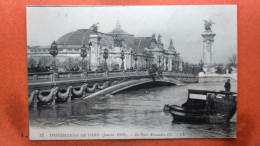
x,y
81,36
118,30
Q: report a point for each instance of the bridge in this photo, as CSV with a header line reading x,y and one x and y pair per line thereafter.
x,y
50,88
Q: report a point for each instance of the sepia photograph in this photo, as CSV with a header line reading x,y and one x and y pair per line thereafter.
x,y
132,72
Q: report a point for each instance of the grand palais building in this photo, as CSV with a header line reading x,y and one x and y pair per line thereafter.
x,y
139,52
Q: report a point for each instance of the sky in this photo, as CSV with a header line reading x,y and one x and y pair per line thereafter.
x,y
183,24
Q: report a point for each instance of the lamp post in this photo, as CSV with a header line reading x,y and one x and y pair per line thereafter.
x,y
146,60
175,61
178,63
182,65
159,61
117,41
135,58
131,53
201,65
187,67
54,52
83,54
105,56
122,58
166,62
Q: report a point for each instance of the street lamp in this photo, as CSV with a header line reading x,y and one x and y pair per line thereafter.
x,y
201,64
146,60
187,67
159,61
178,62
83,54
131,59
135,58
105,56
54,52
117,40
183,65
173,63
122,57
166,62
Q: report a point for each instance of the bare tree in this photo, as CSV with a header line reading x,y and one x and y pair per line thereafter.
x,y
45,61
31,62
72,63
68,64
233,60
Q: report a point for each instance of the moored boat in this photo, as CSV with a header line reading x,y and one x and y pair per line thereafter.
x,y
206,106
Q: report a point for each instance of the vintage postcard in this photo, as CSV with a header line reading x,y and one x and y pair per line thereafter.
x,y
132,72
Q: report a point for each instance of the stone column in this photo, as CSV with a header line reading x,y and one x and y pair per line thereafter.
x,y
208,40
94,49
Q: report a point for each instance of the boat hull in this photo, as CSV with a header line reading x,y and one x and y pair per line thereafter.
x,y
205,106
198,118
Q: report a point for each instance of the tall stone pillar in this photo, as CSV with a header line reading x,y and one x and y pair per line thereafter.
x,y
208,40
94,52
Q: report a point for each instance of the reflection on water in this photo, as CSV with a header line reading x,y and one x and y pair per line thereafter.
x,y
138,108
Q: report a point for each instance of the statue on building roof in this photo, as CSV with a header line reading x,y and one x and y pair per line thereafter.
x,y
118,24
171,45
159,39
153,36
94,27
208,24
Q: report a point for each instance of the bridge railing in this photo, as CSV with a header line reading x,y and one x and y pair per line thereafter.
x,y
59,76
179,74
63,76
185,78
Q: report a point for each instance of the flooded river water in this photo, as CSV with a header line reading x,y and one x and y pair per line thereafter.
x,y
137,109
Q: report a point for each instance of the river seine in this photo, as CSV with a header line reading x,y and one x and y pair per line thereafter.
x,y
136,109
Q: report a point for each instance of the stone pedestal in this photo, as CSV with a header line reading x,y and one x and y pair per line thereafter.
x,y
208,69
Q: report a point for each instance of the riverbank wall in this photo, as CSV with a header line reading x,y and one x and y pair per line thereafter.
x,y
216,77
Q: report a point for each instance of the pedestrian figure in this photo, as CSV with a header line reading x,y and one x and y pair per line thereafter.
x,y
227,85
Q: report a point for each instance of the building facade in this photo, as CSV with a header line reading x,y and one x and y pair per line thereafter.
x,y
124,49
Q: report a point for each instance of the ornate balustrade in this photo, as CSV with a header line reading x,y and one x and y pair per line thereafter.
x,y
63,76
185,78
59,76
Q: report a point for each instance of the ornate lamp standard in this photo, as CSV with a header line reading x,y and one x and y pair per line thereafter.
x,y
83,54
159,61
122,58
118,41
166,62
54,52
131,53
135,58
201,65
146,60
175,62
193,69
183,65
105,56
178,61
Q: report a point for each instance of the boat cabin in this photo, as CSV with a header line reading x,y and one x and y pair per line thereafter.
x,y
201,99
